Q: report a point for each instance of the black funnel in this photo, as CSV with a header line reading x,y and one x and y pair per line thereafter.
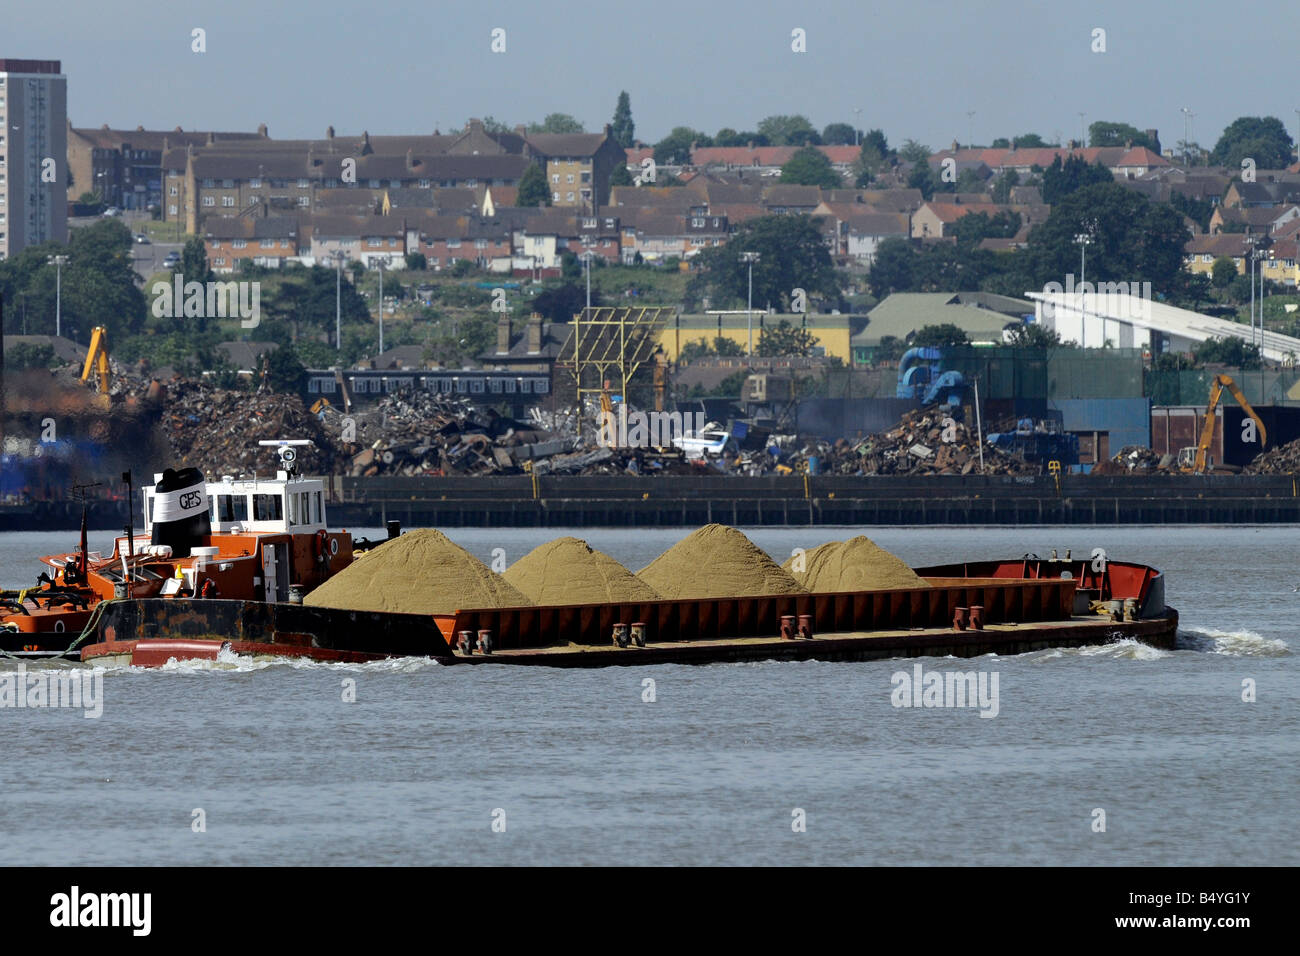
x,y
180,511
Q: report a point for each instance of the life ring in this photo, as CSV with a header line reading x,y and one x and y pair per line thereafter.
x,y
209,589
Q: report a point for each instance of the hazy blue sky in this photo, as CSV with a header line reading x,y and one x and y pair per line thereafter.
x,y
914,68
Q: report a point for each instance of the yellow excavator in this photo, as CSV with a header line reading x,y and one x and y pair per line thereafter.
x,y
1194,459
97,359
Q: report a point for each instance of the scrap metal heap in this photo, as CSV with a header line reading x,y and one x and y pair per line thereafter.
x,y
1282,460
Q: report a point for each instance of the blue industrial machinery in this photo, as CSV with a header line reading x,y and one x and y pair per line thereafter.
x,y
921,376
1038,442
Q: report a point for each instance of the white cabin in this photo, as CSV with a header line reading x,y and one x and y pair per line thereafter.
x,y
279,505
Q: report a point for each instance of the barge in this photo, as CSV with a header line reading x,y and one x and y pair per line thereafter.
x,y
1002,607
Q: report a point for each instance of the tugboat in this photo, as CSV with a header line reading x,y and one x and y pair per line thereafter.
x,y
244,538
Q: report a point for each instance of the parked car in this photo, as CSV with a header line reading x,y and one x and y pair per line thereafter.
x,y
112,211
172,261
142,239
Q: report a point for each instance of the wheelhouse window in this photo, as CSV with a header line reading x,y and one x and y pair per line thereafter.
x,y
232,508
268,508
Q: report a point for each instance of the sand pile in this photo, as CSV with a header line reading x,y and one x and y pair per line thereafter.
x,y
421,572
570,571
716,561
858,564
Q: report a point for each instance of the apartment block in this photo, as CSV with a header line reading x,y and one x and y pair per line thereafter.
x,y
33,147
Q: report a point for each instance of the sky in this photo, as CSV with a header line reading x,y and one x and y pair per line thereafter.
x,y
915,69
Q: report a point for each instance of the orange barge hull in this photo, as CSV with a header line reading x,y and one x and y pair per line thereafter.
x,y
1021,608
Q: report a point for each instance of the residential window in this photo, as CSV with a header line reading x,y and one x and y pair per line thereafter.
x,y
480,244
586,177
171,209
423,184
209,200
303,183
374,242
227,200
394,184
1207,258
209,183
255,184
374,184
173,191
570,199
453,243
228,183
267,243
240,243
304,200
570,179
555,197
555,178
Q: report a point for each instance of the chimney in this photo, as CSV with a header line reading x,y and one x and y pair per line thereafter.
x,y
366,148
503,334
410,159
211,138
521,130
139,129
534,334
262,131
329,132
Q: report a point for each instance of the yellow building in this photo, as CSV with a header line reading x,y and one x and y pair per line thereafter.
x,y
833,332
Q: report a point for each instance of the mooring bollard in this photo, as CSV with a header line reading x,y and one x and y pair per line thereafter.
x,y
1130,609
466,642
977,616
485,641
638,633
787,627
805,626
620,635
959,619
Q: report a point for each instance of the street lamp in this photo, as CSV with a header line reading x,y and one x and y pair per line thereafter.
x,y
58,262
970,119
338,299
381,264
1083,130
586,258
857,126
1083,239
750,258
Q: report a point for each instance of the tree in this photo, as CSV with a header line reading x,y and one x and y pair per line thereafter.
x,y
922,177
1262,139
839,134
729,137
914,152
792,255
533,188
1232,352
495,127
417,261
975,226
1103,133
795,130
1029,141
810,167
557,123
873,156
675,148
1062,179
194,261
785,340
1133,239
892,268
623,128
1003,185
285,372
946,335
1222,272
1032,335
560,303
621,176
1197,210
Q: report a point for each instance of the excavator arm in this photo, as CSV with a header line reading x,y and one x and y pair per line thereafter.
x,y
1207,429
97,358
